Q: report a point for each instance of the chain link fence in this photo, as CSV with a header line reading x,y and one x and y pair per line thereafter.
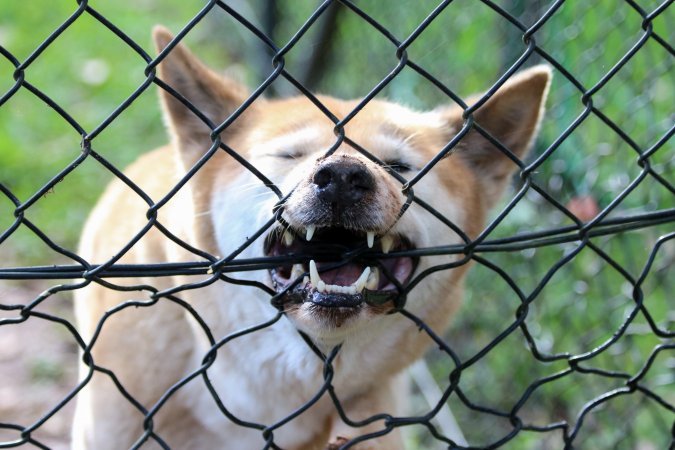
x,y
565,337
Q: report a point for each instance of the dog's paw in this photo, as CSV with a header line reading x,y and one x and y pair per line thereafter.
x,y
336,443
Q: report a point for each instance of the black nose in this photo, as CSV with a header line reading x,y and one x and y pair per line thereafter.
x,y
343,182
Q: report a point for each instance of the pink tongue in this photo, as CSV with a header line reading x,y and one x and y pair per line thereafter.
x,y
342,276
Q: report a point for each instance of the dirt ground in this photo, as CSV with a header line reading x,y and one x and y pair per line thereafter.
x,y
38,365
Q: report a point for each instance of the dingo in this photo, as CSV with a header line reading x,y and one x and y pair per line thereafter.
x,y
338,204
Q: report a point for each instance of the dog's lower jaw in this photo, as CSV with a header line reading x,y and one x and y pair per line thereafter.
x,y
328,326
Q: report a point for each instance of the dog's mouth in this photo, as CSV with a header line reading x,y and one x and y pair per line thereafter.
x,y
340,268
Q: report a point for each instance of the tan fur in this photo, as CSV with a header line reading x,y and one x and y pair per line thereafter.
x,y
266,375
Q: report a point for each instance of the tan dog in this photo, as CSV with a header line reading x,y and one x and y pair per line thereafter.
x,y
338,203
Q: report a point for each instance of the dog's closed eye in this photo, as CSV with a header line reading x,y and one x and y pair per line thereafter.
x,y
397,165
282,154
289,155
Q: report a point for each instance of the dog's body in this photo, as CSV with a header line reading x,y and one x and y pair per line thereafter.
x,y
264,376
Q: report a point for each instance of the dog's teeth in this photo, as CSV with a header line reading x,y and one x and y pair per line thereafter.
x,y
310,232
361,282
314,275
288,238
387,242
305,280
370,237
365,280
337,289
373,279
349,290
297,271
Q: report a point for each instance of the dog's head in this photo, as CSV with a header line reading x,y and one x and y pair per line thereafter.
x,y
345,218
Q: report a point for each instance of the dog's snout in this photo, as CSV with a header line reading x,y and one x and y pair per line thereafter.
x,y
343,183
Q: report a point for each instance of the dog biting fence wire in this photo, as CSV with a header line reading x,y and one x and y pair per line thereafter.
x,y
586,292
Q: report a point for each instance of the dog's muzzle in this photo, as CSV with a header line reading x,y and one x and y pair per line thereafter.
x,y
338,261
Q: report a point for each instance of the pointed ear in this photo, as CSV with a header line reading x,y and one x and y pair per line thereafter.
x,y
216,97
512,116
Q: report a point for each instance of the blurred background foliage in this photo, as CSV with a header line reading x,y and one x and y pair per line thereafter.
x,y
89,72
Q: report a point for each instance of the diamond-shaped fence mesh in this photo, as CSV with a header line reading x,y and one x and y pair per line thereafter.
x,y
565,335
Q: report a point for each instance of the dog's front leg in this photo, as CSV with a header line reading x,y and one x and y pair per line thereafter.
x,y
383,399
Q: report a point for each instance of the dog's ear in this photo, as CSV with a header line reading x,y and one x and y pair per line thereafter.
x,y
512,116
216,97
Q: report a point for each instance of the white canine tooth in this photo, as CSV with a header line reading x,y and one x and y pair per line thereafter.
x,y
361,282
305,280
314,275
310,232
387,242
321,286
370,237
373,279
297,271
288,238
